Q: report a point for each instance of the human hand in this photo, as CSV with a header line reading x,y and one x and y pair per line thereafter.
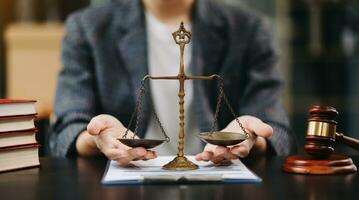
x,y
105,131
257,132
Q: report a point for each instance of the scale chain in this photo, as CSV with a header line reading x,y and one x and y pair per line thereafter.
x,y
218,106
219,101
159,123
138,110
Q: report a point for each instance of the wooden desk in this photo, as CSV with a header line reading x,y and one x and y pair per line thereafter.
x,y
80,179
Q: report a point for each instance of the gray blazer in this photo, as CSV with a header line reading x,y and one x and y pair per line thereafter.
x,y
104,55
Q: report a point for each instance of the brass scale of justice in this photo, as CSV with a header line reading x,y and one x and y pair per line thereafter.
x,y
180,162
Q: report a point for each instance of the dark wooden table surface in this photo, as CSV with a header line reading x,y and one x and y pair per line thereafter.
x,y
59,178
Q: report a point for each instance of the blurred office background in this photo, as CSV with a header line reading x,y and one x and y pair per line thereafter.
x,y
317,42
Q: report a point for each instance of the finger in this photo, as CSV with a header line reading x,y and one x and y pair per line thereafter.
x,y
222,154
220,151
150,155
204,156
210,147
133,154
114,154
104,141
258,127
102,122
217,159
242,150
224,157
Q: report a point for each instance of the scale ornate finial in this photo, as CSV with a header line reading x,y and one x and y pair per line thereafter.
x,y
182,36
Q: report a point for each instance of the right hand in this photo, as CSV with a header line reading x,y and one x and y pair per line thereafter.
x,y
105,129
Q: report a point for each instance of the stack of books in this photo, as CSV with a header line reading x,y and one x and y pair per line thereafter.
x,y
18,146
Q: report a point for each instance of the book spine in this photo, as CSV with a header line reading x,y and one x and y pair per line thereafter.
x,y
17,147
34,115
30,131
8,101
24,167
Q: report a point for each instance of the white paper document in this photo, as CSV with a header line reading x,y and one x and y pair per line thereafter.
x,y
140,172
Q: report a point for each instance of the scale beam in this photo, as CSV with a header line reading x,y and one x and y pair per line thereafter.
x,y
214,76
186,77
160,77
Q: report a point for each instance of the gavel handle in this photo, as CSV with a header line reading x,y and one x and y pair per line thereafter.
x,y
354,143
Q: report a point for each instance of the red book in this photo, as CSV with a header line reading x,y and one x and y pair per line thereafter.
x,y
14,138
19,157
17,123
9,107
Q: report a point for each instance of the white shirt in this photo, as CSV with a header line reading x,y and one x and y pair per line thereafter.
x,y
163,60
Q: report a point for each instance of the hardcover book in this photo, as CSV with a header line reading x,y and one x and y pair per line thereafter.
x,y
14,138
9,107
17,123
18,157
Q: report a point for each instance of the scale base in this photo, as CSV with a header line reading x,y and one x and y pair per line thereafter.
x,y
180,163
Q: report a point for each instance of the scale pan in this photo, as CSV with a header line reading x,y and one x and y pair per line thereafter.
x,y
145,143
223,138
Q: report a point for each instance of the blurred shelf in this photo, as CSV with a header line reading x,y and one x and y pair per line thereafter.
x,y
33,62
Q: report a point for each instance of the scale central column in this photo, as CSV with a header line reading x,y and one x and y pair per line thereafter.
x,y
181,95
180,162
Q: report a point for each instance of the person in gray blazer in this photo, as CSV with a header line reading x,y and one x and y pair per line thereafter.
x,y
106,51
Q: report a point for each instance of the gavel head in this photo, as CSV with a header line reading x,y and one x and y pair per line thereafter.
x,y
321,131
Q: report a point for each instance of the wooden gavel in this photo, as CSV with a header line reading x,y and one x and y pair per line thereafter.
x,y
321,133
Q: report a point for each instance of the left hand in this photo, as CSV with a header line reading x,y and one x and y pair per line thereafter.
x,y
257,131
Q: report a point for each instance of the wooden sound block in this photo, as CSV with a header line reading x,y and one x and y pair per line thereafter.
x,y
303,164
